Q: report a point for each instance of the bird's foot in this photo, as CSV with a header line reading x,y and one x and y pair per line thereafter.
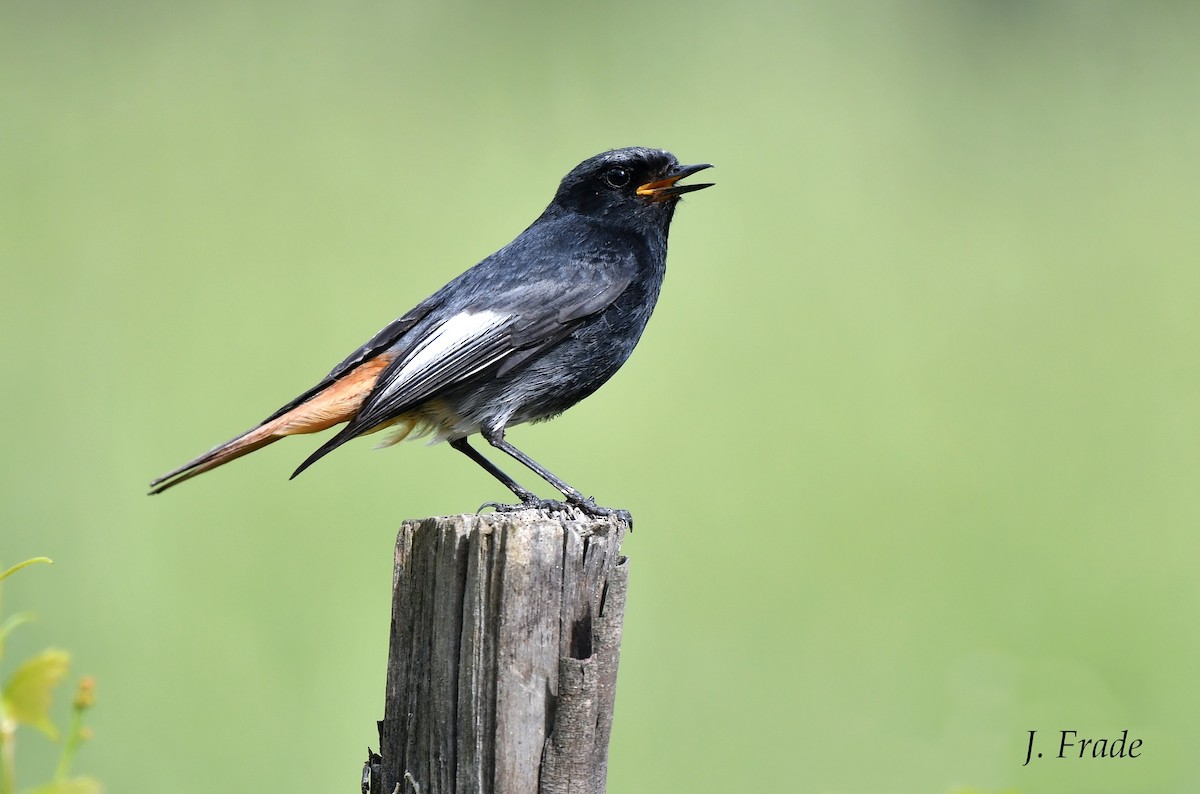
x,y
589,507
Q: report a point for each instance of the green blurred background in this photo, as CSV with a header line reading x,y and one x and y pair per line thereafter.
x,y
912,439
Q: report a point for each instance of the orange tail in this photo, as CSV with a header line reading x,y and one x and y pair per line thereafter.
x,y
337,403
234,448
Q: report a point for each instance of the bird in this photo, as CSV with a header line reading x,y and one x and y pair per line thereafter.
x,y
520,337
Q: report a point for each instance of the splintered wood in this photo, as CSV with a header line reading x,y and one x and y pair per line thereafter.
x,y
506,634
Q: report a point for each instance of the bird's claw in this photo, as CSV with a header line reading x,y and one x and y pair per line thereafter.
x,y
589,507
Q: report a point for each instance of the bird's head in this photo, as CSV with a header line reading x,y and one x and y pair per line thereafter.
x,y
627,184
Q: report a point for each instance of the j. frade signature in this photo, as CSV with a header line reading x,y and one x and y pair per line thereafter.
x,y
1071,745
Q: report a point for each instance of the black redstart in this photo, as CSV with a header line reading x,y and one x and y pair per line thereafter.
x,y
522,336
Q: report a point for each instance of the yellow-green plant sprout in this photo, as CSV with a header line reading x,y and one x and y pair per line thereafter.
x,y
25,564
27,693
85,698
26,697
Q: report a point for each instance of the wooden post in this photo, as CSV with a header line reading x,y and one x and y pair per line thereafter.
x,y
506,633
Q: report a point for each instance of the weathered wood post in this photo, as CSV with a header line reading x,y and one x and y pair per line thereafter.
x,y
506,633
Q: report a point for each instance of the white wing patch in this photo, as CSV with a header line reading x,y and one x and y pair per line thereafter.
x,y
451,341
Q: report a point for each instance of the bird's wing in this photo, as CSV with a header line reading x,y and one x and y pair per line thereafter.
x,y
472,340
388,336
508,327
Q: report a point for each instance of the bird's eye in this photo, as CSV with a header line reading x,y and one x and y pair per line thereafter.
x,y
617,177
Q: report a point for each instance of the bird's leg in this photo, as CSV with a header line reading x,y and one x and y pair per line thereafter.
x,y
524,494
495,437
528,498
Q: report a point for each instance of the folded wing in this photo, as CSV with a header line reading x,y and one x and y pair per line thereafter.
x,y
471,343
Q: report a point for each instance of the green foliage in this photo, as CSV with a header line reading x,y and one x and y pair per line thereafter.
x,y
26,700
27,692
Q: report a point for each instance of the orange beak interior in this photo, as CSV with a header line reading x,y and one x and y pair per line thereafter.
x,y
666,188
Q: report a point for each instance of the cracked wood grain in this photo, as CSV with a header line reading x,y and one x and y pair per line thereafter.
x,y
506,632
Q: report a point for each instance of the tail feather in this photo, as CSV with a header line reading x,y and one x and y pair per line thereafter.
x,y
336,403
231,450
344,435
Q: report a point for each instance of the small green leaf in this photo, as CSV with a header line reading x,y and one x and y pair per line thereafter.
x,y
21,565
27,693
76,785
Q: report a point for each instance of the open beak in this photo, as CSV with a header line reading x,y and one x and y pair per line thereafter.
x,y
666,188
